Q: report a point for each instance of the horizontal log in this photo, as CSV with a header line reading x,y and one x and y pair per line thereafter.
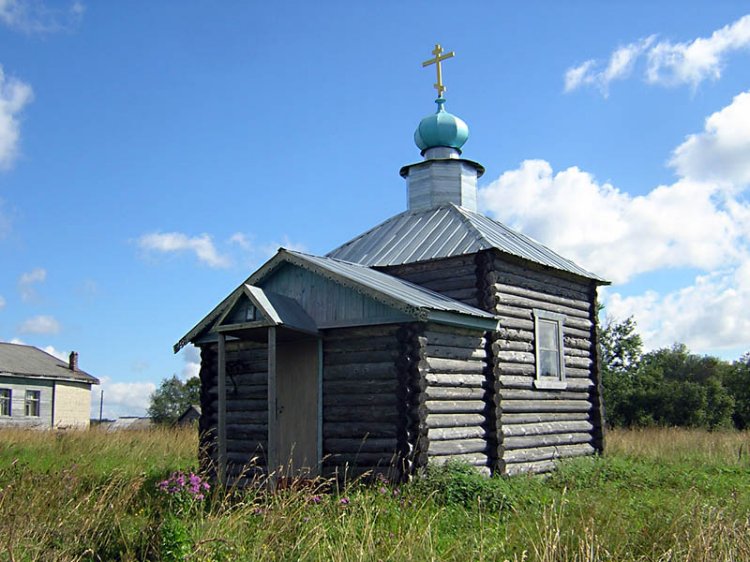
x,y
356,400
545,428
439,365
454,393
385,370
255,435
448,282
576,372
509,345
453,352
246,446
535,441
473,459
517,369
554,282
466,260
361,332
242,391
376,343
243,459
454,420
472,340
454,406
572,352
459,294
447,433
526,303
513,312
534,394
457,447
508,419
359,429
235,404
540,467
252,427
570,342
580,305
547,453
514,334
516,357
243,416
360,357
578,362
456,380
383,446
360,413
361,386
523,406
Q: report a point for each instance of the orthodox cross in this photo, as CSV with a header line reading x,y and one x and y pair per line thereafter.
x,y
439,57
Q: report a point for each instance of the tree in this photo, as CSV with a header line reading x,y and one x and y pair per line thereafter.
x,y
172,398
737,381
620,350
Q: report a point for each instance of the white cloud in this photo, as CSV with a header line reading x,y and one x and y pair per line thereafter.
x,y
27,281
701,221
174,242
14,95
666,63
40,325
121,398
271,248
240,239
192,366
591,222
698,60
720,153
36,16
709,314
61,355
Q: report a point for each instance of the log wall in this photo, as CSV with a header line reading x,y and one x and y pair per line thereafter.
x,y
453,277
537,426
360,408
459,417
247,406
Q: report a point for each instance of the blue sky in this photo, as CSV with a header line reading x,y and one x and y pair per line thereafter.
x,y
154,154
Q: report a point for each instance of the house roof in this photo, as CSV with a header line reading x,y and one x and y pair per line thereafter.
x,y
447,231
29,361
418,302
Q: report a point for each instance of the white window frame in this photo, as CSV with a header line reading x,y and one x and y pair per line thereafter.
x,y
549,383
33,403
6,402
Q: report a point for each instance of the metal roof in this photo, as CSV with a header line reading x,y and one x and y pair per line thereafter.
x,y
443,232
380,284
29,361
417,301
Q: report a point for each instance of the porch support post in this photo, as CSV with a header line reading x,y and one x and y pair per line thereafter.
x,y
222,413
273,431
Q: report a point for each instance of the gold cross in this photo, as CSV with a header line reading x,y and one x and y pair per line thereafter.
x,y
439,57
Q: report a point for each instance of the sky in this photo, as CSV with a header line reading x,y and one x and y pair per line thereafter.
x,y
154,154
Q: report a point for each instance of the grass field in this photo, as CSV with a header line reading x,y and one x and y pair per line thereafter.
x,y
657,494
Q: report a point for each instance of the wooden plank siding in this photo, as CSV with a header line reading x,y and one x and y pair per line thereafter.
x,y
360,395
246,403
537,426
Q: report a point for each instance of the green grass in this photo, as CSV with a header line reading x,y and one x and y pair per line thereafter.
x,y
657,495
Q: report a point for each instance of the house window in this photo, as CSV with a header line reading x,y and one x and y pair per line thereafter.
x,y
5,397
32,403
550,355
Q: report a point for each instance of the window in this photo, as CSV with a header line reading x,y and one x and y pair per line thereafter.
x,y
32,403
5,397
550,355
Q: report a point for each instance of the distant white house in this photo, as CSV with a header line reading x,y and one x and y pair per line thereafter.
x,y
39,390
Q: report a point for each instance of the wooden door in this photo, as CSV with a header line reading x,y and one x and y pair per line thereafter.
x,y
297,398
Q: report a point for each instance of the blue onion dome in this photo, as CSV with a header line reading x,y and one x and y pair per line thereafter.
x,y
441,129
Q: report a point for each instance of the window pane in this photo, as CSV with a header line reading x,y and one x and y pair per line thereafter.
x,y
32,403
4,401
550,366
547,334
